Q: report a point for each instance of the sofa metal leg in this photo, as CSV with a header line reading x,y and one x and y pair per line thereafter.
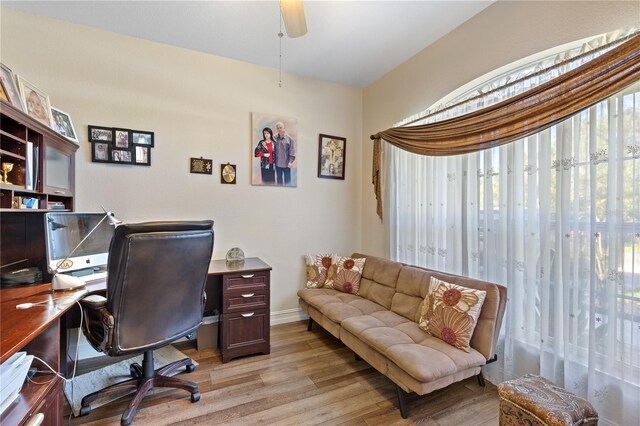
x,y
480,379
401,403
309,324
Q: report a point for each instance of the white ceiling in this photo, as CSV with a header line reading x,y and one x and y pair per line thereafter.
x,y
349,42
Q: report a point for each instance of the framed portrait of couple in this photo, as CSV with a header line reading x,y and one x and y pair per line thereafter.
x,y
274,150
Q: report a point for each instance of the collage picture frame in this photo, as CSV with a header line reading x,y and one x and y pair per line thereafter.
x,y
117,145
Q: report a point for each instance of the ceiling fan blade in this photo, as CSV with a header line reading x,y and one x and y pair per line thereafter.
x,y
293,17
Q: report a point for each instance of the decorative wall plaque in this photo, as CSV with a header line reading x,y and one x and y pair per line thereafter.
x,y
201,166
228,173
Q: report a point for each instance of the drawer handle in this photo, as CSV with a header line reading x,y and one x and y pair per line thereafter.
x,y
248,315
58,192
36,420
247,295
248,276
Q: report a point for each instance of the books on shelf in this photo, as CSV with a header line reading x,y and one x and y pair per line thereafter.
x,y
29,166
55,205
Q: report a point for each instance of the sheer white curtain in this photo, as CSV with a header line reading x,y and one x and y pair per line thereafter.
x,y
555,217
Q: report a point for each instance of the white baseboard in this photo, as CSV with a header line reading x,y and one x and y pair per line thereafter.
x,y
288,315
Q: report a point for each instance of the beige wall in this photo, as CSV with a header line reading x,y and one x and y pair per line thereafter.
x,y
499,35
197,105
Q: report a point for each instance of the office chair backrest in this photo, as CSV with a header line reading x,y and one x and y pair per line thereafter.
x,y
155,284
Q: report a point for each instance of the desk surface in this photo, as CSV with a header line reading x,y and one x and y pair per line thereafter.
x,y
20,326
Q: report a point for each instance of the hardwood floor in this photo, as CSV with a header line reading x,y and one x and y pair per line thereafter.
x,y
310,378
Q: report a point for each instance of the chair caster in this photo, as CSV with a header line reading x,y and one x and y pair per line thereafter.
x,y
85,410
195,397
190,368
135,370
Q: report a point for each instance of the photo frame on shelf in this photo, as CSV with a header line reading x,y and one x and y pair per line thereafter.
x,y
61,123
100,152
100,134
35,102
8,81
332,152
142,155
121,138
121,156
139,137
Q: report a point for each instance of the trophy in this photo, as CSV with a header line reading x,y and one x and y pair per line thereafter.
x,y
6,169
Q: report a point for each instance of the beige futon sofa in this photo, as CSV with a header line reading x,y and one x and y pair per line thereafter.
x,y
380,325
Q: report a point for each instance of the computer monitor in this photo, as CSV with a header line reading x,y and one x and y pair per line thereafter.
x,y
65,230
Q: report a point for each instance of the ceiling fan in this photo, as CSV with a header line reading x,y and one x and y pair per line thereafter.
x,y
293,17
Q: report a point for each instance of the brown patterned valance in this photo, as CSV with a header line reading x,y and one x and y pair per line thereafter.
x,y
520,116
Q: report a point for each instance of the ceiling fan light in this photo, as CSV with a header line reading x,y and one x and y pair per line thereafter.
x,y
293,17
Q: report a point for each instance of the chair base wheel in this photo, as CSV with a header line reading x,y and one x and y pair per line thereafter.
x,y
195,397
85,410
135,370
190,368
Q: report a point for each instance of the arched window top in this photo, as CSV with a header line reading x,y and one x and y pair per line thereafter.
x,y
519,76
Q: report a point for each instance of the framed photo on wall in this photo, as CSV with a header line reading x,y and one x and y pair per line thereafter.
x,y
332,152
100,134
142,155
100,152
139,137
121,156
274,150
35,102
121,138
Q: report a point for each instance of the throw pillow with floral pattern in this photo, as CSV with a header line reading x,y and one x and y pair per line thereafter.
x,y
450,312
344,274
317,266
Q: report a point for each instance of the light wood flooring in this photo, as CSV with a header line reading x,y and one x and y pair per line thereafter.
x,y
310,378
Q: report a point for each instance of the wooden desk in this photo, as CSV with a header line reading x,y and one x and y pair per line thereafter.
x,y
37,331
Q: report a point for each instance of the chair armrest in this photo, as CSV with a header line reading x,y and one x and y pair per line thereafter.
x,y
99,322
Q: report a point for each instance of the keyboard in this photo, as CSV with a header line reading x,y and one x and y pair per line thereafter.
x,y
95,277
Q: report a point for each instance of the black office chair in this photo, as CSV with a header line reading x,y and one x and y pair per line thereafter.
x,y
155,295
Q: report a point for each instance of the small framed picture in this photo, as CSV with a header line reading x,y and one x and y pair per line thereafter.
x,y
332,152
142,155
100,152
121,156
228,173
139,137
121,138
100,134
61,123
35,102
8,81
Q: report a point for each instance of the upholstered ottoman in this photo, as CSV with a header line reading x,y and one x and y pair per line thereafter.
x,y
532,400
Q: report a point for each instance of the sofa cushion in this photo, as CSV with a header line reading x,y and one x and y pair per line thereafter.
x,y
450,312
345,273
423,357
411,290
317,265
336,305
379,278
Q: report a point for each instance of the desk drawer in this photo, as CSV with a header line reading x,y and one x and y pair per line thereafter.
x,y
240,301
248,282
